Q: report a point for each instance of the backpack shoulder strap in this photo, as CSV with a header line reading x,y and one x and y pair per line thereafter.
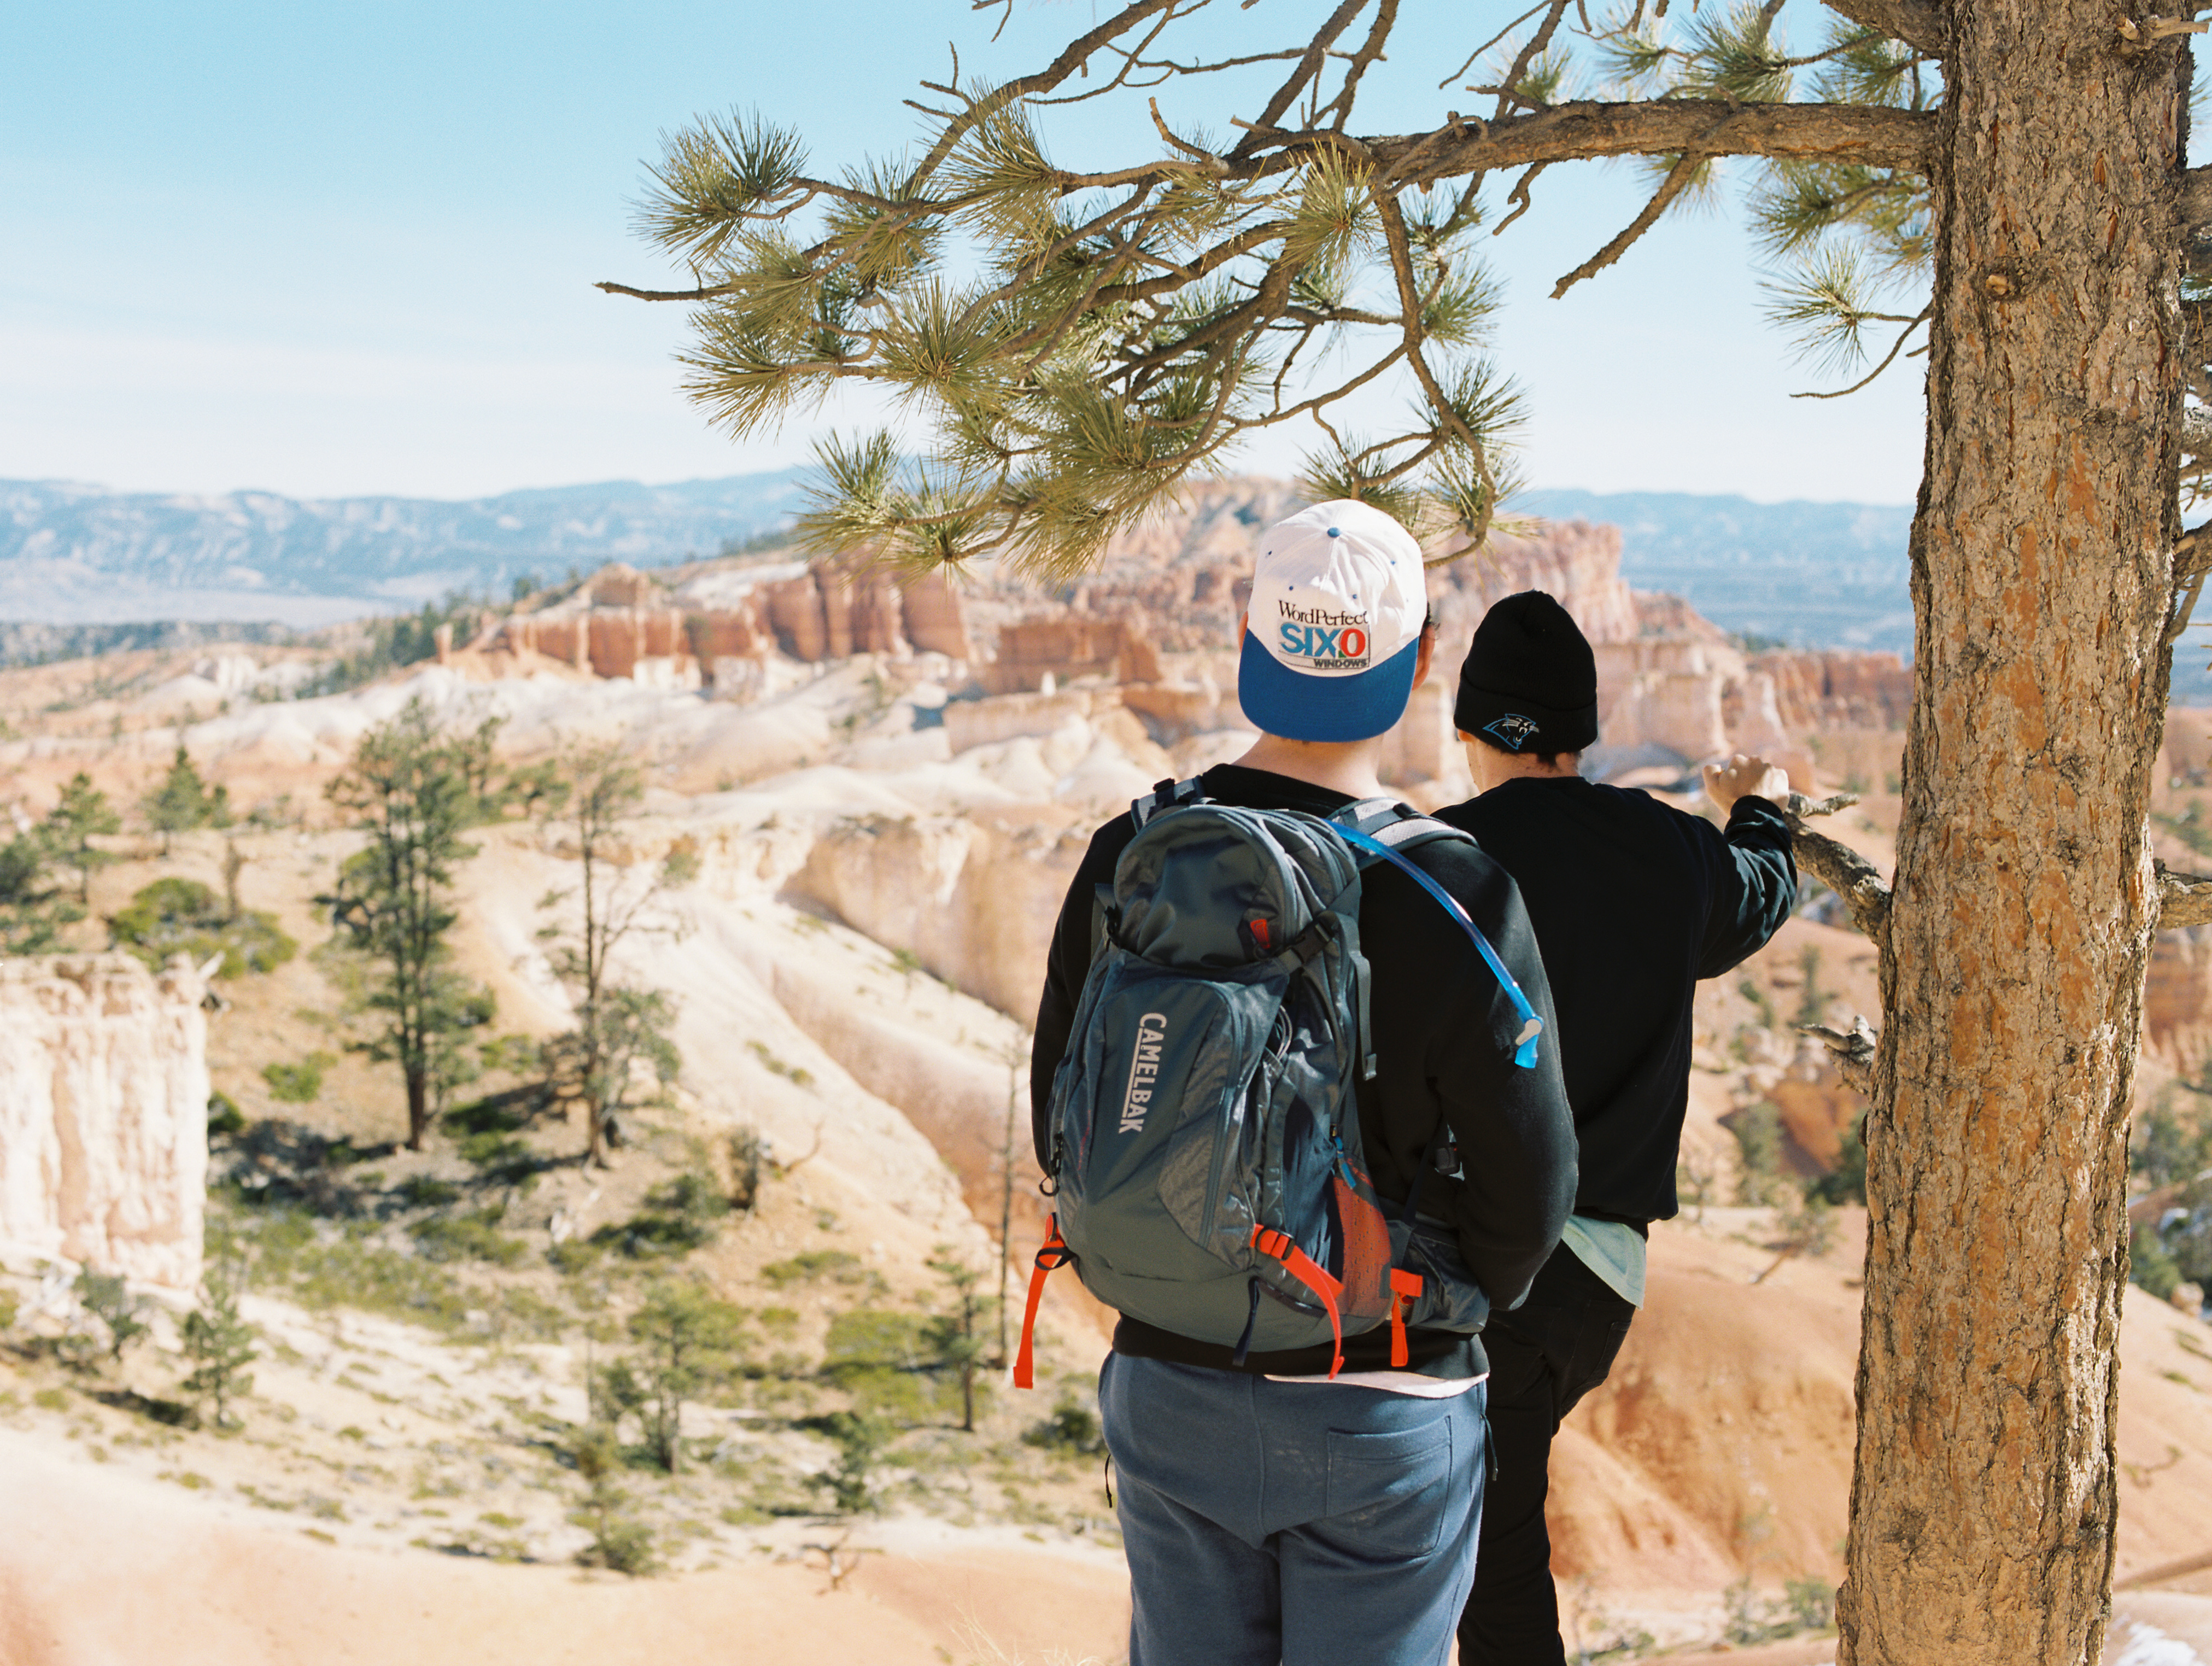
x,y
1169,795
1394,825
1377,846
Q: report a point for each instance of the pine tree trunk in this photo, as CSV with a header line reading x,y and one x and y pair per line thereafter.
x,y
1984,1500
418,1107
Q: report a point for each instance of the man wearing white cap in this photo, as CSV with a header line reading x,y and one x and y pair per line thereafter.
x,y
1274,1509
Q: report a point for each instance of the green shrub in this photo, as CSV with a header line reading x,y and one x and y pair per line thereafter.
x,y
2167,1147
1805,1605
617,1541
860,1440
748,1157
173,916
496,1113
423,1191
297,1084
835,1264
467,1237
893,1365
223,1116
1073,1428
679,1216
345,1271
1757,1131
494,1150
7,1309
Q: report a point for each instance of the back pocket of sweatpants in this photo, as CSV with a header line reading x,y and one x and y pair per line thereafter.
x,y
1389,1493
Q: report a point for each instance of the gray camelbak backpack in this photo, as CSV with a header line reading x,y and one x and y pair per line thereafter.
x,y
1206,1168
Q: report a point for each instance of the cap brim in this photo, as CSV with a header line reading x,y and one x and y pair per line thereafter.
x,y
1281,701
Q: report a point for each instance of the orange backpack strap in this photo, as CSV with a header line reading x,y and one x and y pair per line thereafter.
x,y
1405,1291
1280,1246
1053,1255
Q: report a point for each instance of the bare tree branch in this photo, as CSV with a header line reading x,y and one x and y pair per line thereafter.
x,y
1308,66
1843,871
1852,1050
2183,899
1678,178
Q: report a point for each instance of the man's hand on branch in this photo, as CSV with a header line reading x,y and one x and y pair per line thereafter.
x,y
1744,775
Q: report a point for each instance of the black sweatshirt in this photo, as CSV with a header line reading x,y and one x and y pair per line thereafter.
x,y
1444,1034
1633,902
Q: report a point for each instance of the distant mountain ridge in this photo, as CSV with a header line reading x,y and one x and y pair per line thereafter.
x,y
72,553
1811,575
1822,575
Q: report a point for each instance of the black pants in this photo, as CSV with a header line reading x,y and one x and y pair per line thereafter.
x,y
1545,1355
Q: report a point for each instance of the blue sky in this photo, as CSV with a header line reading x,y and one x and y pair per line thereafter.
x,y
347,249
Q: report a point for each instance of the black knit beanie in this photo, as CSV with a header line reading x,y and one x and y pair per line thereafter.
x,y
1530,681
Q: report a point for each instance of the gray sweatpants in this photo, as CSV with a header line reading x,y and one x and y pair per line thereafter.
x,y
1290,1523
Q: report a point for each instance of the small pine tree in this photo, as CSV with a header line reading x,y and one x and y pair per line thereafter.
x,y
617,1543
615,1023
70,826
33,910
218,1342
408,789
687,1341
108,1299
860,1440
956,1334
184,801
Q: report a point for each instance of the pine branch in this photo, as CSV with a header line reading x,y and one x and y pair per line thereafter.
x,y
1871,135
1918,24
1887,359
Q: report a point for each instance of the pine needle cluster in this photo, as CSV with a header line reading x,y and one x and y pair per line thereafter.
x,y
1079,345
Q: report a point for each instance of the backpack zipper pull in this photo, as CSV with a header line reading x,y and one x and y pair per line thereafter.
x,y
1251,1318
1343,1163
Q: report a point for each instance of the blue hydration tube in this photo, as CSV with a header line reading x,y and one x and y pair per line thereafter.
x,y
1524,1045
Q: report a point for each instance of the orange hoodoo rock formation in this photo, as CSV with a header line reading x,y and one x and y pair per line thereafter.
x,y
622,622
1156,622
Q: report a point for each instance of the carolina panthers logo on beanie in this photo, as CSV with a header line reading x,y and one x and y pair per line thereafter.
x,y
1513,729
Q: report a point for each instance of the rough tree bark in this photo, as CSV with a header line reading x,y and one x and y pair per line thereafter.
x,y
2024,901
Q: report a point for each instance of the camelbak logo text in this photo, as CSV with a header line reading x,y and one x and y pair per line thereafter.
x,y
1144,1071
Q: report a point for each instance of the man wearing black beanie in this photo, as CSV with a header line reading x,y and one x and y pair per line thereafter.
x,y
1631,901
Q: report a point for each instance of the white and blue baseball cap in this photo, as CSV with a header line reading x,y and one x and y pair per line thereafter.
x,y
1333,634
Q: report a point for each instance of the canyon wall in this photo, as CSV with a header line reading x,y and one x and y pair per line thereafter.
x,y
103,1115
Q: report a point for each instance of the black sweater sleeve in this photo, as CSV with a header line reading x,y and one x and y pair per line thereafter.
x,y
1754,884
1514,1126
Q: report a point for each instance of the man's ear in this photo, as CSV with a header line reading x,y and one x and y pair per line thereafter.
x,y
1426,656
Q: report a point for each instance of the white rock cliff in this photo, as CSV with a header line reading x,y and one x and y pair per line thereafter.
x,y
103,1115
